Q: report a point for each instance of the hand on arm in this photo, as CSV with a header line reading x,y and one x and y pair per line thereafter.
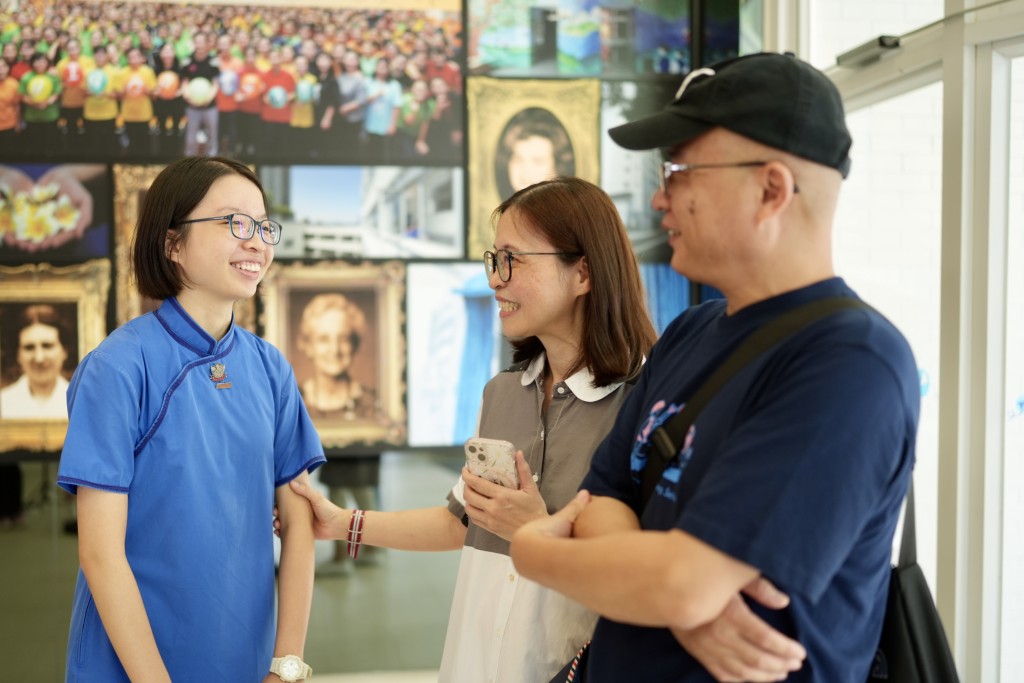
x,y
648,578
102,521
499,509
736,645
433,528
739,646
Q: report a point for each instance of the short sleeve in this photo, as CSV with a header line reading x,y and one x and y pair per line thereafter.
x,y
103,426
297,446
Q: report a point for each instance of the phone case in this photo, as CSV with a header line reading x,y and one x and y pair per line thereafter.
x,y
494,460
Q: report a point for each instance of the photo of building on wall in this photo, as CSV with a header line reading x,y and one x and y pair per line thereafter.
x,y
329,212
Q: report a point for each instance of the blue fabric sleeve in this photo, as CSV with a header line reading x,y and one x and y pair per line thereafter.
x,y
297,446
103,425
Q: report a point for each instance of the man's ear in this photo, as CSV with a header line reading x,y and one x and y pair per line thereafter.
x,y
778,187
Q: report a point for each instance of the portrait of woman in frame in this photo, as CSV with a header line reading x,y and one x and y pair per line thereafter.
x,y
50,317
341,326
537,129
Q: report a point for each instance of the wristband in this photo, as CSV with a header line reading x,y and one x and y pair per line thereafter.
x,y
355,533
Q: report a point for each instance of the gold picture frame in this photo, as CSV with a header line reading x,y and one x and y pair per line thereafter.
x,y
494,104
376,361
85,287
130,186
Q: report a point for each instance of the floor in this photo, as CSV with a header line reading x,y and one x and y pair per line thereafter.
x,y
382,623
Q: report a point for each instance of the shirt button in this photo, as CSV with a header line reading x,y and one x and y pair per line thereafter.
x,y
511,577
561,390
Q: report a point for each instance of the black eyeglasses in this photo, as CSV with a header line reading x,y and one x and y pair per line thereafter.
x,y
501,260
244,226
668,168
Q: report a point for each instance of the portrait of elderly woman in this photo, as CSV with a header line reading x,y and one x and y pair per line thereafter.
x,y
38,355
330,335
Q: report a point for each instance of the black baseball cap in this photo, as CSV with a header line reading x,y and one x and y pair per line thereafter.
x,y
775,99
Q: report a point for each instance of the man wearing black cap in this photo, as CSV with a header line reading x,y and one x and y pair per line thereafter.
x,y
796,470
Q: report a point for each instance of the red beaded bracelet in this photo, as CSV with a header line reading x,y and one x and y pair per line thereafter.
x,y
355,533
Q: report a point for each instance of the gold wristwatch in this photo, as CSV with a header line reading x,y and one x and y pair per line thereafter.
x,y
290,668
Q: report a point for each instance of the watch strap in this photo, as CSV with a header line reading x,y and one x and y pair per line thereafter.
x,y
305,672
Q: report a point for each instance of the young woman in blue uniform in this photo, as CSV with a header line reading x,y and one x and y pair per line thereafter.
x,y
184,431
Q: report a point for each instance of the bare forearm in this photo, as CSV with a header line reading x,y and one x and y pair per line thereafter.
x,y
432,528
649,578
119,603
605,516
295,588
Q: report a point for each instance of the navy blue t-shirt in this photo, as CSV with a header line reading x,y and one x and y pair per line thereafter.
x,y
797,467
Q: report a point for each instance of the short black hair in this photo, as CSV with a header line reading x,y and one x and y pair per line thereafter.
x,y
173,195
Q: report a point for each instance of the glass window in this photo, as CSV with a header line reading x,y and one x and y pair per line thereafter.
x,y
1012,629
887,247
837,26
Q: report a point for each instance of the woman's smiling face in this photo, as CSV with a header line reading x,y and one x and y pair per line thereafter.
x,y
217,267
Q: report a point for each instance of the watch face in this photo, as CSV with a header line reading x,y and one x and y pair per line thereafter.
x,y
290,669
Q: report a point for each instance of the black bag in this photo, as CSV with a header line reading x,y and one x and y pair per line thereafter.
x,y
913,646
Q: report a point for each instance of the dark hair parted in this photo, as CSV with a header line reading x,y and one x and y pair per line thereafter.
x,y
173,195
532,122
578,217
45,314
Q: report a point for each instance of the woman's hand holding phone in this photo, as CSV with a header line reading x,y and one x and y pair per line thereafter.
x,y
501,509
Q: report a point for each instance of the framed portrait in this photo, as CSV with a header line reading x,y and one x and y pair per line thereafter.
x,y
341,327
356,212
453,318
50,317
533,130
55,213
130,186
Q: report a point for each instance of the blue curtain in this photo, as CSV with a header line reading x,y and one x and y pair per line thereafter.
x,y
668,293
477,352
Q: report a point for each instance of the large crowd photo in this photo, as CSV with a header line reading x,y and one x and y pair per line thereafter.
x,y
154,81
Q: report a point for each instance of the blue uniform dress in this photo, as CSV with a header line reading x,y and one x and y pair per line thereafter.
x,y
152,416
797,467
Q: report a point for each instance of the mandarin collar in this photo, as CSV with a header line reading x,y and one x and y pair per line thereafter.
x,y
188,333
581,383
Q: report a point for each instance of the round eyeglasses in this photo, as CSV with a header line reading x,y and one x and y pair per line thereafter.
x,y
244,226
501,260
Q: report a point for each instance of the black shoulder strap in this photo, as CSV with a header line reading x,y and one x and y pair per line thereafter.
x,y
665,439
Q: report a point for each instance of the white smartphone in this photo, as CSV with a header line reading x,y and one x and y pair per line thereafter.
x,y
494,460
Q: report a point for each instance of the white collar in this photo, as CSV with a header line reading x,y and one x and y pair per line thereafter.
x,y
581,383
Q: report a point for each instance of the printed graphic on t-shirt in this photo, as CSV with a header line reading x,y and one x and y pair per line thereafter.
x,y
660,413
